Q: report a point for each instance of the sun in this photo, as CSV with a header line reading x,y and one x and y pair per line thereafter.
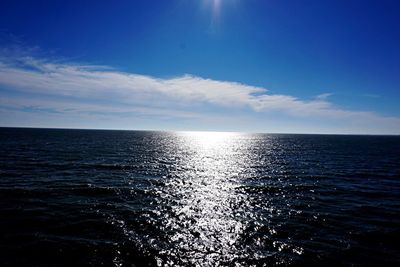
x,y
215,6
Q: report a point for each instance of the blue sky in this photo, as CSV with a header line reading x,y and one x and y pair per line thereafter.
x,y
224,65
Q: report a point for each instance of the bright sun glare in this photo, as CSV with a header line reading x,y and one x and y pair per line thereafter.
x,y
215,7
208,140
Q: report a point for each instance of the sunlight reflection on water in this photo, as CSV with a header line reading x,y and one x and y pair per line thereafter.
x,y
209,210
215,203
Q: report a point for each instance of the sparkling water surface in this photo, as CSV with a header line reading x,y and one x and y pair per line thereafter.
x,y
131,198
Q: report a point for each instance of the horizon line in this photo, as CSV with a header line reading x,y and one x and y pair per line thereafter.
x,y
191,131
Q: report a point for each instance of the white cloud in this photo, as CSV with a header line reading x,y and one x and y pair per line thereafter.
x,y
91,82
175,97
324,96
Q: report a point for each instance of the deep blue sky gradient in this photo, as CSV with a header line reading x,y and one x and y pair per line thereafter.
x,y
302,48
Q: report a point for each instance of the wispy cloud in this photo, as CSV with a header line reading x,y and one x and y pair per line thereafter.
x,y
372,95
324,96
86,81
71,87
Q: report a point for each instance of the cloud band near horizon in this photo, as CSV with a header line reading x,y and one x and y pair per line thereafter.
x,y
81,88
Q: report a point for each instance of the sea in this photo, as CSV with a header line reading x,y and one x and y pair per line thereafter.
x,y
148,198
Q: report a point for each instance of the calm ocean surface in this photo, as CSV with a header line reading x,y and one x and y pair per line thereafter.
x,y
132,198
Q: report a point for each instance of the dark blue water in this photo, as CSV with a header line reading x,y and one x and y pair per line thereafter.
x,y
126,198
